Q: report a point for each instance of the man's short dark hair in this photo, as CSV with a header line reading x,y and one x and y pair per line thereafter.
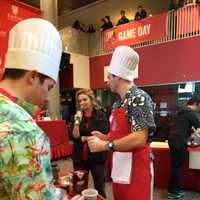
x,y
195,99
19,73
108,17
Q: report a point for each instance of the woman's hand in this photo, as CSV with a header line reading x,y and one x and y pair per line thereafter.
x,y
78,115
198,130
77,119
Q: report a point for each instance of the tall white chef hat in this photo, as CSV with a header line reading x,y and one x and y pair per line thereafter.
x,y
34,44
124,62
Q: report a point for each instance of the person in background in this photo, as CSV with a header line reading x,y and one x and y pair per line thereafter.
x,y
131,130
189,2
78,25
88,118
175,4
108,22
123,19
141,13
103,26
184,120
91,29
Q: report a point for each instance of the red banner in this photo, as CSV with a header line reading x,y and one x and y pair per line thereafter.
x,y
136,32
12,12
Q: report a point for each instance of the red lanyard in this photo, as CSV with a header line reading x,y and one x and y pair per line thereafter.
x,y
7,94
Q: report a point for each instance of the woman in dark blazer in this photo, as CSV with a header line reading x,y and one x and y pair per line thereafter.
x,y
89,117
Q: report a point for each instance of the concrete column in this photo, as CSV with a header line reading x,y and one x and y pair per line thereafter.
x,y
50,12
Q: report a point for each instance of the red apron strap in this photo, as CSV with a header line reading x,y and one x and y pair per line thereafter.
x,y
7,94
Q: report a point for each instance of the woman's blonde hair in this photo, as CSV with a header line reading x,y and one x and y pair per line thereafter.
x,y
91,95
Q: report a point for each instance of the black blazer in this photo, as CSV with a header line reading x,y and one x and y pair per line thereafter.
x,y
99,122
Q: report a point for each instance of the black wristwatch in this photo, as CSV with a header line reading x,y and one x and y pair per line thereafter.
x,y
110,145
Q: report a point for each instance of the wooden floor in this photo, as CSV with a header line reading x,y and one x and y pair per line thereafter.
x,y
159,194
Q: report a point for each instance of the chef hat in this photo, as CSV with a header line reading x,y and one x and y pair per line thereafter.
x,y
34,44
124,62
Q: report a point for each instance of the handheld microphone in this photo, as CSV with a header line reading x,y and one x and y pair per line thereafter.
x,y
78,119
81,109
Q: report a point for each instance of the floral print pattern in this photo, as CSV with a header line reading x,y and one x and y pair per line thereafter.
x,y
139,108
25,167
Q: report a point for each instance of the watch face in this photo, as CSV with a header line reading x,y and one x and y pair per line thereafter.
x,y
110,145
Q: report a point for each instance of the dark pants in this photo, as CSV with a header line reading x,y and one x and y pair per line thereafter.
x,y
98,174
178,155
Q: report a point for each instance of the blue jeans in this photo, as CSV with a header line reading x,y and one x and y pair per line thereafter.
x,y
178,154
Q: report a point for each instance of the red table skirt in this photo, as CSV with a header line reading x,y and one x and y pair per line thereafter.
x,y
58,136
190,178
61,151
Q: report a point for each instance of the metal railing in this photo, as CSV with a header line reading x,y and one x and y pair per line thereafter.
x,y
182,23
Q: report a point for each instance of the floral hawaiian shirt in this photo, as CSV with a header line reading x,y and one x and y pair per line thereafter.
x,y
139,110
25,167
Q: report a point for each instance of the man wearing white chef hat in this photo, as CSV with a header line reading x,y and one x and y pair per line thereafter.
x,y
31,70
131,127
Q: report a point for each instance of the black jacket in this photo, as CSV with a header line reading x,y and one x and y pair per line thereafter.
x,y
141,15
182,126
98,122
123,20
